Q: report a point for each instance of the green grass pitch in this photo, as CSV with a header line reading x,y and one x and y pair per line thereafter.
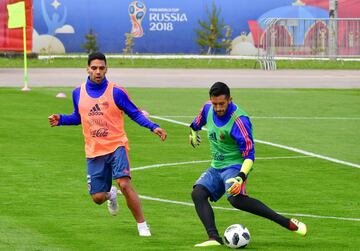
x,y
44,204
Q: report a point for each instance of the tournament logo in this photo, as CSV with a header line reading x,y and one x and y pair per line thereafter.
x,y
137,12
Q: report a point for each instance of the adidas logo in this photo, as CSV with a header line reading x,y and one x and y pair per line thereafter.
x,y
95,111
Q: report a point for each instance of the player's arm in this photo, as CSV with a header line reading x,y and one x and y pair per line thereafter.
x,y
123,102
197,124
71,119
242,133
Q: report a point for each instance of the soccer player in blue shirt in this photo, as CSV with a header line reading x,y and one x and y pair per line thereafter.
x,y
233,155
99,106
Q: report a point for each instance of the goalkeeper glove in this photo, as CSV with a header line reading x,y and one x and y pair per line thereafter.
x,y
235,188
194,138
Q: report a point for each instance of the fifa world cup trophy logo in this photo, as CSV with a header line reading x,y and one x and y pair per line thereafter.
x,y
137,12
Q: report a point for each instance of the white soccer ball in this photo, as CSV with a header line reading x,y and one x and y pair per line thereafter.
x,y
237,236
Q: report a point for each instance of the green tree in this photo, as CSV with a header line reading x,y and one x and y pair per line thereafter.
x,y
91,44
226,41
210,36
129,43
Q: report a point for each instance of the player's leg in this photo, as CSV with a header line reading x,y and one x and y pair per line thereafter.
x,y
132,199
134,204
207,187
99,198
200,196
256,207
121,174
99,179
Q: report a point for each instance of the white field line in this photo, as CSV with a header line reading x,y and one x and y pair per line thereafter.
x,y
276,117
168,164
293,149
234,209
205,161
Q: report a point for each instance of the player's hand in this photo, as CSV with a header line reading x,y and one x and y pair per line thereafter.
x,y
194,138
161,133
235,188
54,120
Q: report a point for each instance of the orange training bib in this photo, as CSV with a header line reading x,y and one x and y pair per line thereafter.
x,y
102,122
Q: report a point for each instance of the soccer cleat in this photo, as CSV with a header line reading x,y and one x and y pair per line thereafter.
x,y
301,228
210,243
113,206
144,229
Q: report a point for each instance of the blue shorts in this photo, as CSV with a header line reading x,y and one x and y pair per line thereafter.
x,y
214,180
102,170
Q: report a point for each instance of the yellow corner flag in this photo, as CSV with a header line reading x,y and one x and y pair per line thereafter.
x,y
17,19
16,13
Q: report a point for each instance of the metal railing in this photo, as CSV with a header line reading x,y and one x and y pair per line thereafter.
x,y
308,38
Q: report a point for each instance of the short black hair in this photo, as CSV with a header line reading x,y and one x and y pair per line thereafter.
x,y
218,89
96,55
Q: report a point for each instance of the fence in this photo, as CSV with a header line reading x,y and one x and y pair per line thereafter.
x,y
308,38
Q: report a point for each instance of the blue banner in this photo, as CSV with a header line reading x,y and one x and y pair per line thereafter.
x,y
158,26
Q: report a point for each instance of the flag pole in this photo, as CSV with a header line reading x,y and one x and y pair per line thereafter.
x,y
26,87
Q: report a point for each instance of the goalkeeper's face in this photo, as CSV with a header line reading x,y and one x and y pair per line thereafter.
x,y
220,104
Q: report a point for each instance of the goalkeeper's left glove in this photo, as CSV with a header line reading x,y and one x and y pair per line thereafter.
x,y
194,138
235,188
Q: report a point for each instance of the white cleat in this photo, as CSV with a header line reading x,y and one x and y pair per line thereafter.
x,y
113,206
143,229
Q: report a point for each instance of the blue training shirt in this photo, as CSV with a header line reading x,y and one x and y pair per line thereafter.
x,y
122,101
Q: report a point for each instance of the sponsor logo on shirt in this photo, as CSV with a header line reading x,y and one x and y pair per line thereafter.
x,y
95,111
212,136
101,132
218,156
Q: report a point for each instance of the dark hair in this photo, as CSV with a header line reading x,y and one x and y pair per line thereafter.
x,y
218,89
96,55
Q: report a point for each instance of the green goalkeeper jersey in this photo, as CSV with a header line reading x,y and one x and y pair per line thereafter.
x,y
224,150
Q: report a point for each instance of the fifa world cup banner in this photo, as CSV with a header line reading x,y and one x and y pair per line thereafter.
x,y
11,39
157,26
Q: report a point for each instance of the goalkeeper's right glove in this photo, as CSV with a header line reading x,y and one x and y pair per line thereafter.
x,y
194,138
235,188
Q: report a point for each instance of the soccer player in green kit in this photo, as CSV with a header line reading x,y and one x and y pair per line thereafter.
x,y
233,155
